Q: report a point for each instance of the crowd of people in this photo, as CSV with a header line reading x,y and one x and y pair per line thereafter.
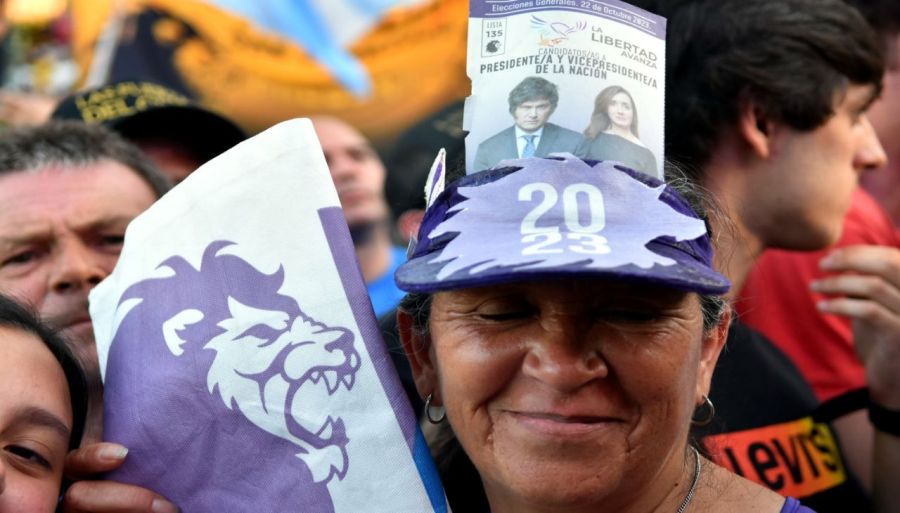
x,y
725,339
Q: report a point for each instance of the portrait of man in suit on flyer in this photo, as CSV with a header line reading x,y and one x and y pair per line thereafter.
x,y
531,103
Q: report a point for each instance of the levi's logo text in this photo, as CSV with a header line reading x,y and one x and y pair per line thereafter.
x,y
797,458
583,218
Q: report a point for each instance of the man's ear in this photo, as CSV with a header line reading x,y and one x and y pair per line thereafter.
x,y
756,129
713,342
417,347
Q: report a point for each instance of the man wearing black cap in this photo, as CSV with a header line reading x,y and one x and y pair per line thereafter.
x,y
176,133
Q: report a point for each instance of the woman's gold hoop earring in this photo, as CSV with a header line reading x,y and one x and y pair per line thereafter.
x,y
428,412
710,413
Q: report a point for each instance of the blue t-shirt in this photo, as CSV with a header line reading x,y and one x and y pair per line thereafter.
x,y
383,290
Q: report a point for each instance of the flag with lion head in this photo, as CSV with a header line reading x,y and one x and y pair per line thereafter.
x,y
242,363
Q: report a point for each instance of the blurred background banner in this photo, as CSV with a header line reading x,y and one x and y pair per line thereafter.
x,y
382,65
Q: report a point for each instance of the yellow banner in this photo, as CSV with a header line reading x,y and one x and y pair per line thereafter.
x,y
415,57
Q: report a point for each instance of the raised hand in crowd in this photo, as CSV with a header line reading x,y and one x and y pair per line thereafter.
x,y
866,289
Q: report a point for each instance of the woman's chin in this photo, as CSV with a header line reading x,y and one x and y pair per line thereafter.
x,y
558,462
554,485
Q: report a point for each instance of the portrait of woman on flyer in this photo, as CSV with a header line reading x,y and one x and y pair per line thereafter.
x,y
612,133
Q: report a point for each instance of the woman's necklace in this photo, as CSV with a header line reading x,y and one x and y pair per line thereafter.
x,y
690,494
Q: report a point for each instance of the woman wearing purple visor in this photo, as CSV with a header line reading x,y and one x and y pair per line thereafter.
x,y
564,320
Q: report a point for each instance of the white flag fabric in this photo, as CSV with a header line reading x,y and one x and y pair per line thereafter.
x,y
242,362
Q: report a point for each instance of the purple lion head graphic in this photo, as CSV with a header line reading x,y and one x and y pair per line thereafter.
x,y
254,365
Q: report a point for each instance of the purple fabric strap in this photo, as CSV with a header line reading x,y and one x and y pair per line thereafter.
x,y
792,505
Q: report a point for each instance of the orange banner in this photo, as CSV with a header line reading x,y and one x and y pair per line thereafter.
x,y
415,57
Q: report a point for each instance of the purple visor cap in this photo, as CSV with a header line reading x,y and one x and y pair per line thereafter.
x,y
542,218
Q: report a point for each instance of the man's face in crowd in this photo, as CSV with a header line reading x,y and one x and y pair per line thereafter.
x,y
532,114
356,170
803,197
61,232
884,183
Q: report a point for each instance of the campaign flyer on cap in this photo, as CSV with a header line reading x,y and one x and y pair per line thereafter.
x,y
585,77
242,362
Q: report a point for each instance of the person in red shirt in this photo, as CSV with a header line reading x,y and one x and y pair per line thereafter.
x,y
787,294
777,301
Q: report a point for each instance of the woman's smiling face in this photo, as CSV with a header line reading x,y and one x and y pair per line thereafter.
x,y
35,424
569,392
